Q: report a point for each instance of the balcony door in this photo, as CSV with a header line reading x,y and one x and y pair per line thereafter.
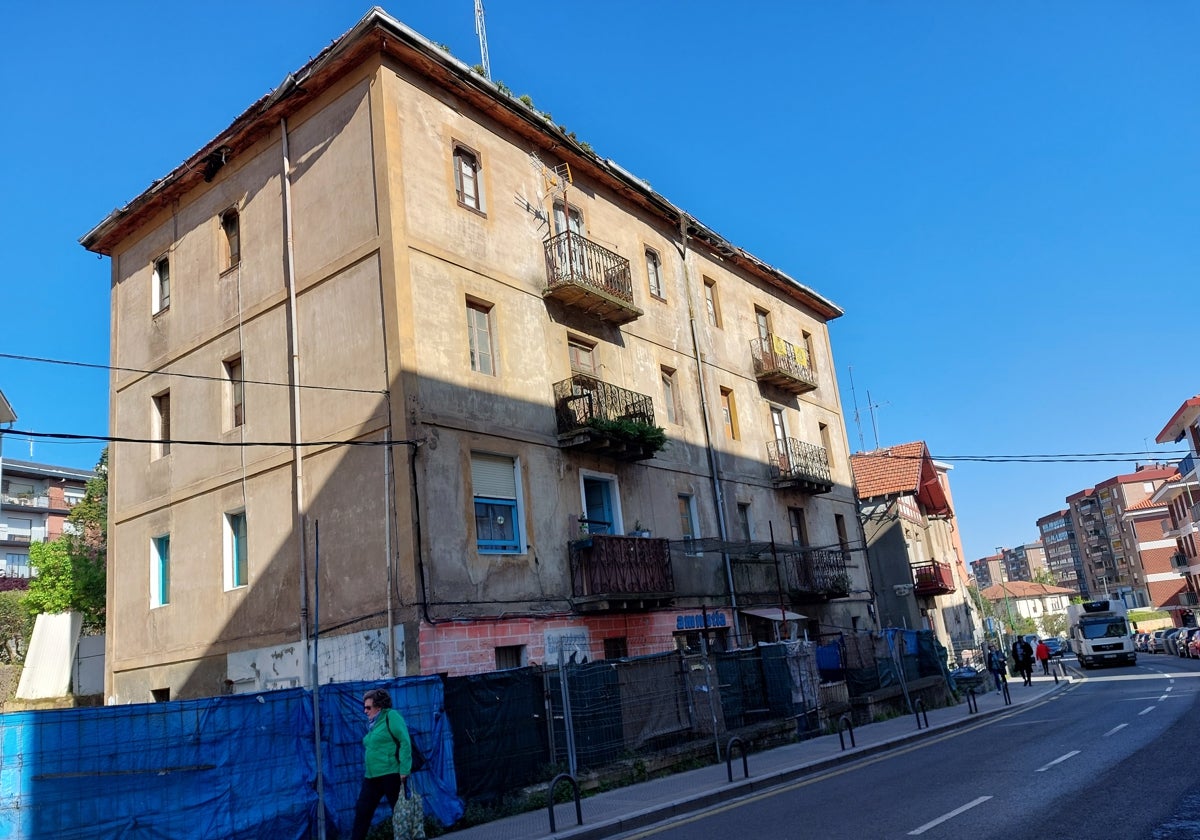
x,y
779,429
601,503
571,255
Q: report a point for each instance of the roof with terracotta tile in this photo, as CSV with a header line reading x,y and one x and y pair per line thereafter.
x,y
1023,589
886,472
1176,427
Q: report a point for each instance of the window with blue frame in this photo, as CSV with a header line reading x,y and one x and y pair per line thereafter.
x,y
236,564
497,504
160,571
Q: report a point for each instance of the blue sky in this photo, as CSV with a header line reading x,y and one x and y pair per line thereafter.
x,y
1003,197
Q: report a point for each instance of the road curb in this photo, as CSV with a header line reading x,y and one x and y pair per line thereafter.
x,y
746,787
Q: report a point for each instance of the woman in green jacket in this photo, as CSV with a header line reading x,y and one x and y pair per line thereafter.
x,y
388,759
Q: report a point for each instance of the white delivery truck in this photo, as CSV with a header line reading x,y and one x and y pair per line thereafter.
x,y
1100,633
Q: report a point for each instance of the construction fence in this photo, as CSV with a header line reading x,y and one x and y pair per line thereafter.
x,y
268,764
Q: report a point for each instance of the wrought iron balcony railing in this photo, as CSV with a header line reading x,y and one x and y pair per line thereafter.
x,y
609,571
932,578
589,277
818,573
596,416
795,463
783,364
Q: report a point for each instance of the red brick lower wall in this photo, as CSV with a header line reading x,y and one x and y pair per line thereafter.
x,y
456,648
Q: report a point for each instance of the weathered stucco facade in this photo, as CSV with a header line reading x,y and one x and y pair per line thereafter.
x,y
400,284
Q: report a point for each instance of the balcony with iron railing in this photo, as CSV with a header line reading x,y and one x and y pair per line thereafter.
x,y
932,578
589,278
801,575
613,572
1186,465
1180,560
595,416
785,365
1180,529
795,463
26,500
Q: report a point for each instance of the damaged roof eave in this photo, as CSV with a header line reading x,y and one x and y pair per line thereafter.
x,y
404,44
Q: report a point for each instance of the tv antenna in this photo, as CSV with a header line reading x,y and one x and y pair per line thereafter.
x,y
857,417
481,31
871,406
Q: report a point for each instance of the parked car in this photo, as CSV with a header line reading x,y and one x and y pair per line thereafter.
x,y
1170,638
1156,644
1142,643
1184,641
1194,646
1057,648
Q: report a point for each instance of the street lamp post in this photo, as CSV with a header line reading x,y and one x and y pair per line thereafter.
x,y
1004,588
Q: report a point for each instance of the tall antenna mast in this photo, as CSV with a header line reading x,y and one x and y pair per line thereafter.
x,y
857,417
481,31
871,408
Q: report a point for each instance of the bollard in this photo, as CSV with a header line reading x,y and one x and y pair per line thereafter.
x,y
729,758
845,719
550,798
918,710
972,701
1007,696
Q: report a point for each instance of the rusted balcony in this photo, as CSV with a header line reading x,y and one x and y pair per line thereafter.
x,y
932,578
783,364
817,574
794,463
590,278
611,572
594,416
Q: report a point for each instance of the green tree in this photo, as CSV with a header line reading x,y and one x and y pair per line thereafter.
x,y
15,626
1055,624
71,569
1045,576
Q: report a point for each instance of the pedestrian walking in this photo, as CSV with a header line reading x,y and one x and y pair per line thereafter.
x,y
995,666
387,759
1022,653
1043,656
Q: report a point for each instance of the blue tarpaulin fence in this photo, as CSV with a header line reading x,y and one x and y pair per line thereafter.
x,y
239,766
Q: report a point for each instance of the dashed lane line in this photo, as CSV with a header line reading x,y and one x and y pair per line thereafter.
x,y
950,815
1115,729
1146,711
1058,760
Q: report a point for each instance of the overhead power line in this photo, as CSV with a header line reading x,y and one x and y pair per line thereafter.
x,y
94,366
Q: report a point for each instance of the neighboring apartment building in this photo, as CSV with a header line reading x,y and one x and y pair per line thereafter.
x,y
1062,551
1023,562
1182,499
913,545
1148,526
440,337
35,502
988,570
1023,599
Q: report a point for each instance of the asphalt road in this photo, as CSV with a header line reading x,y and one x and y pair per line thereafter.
x,y
1111,756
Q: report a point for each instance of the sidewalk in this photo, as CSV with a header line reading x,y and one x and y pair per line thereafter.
x,y
628,808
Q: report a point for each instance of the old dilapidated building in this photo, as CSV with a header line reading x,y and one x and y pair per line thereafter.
x,y
480,395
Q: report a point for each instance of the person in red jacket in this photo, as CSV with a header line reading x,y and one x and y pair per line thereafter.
x,y
1043,656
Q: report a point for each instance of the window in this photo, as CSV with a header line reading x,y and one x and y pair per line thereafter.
x,y
160,695
843,537
582,360
808,360
798,526
161,284
497,503
16,565
479,334
236,569
160,571
762,319
231,239
654,273
743,515
729,414
162,424
826,443
687,521
510,656
466,177
711,303
670,398
616,648
234,388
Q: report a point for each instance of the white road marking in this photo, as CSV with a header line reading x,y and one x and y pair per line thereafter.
x,y
1145,711
1163,697
1058,760
1168,688
950,815
1115,729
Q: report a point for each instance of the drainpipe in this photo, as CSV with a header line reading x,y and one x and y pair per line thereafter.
x,y
708,445
294,352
